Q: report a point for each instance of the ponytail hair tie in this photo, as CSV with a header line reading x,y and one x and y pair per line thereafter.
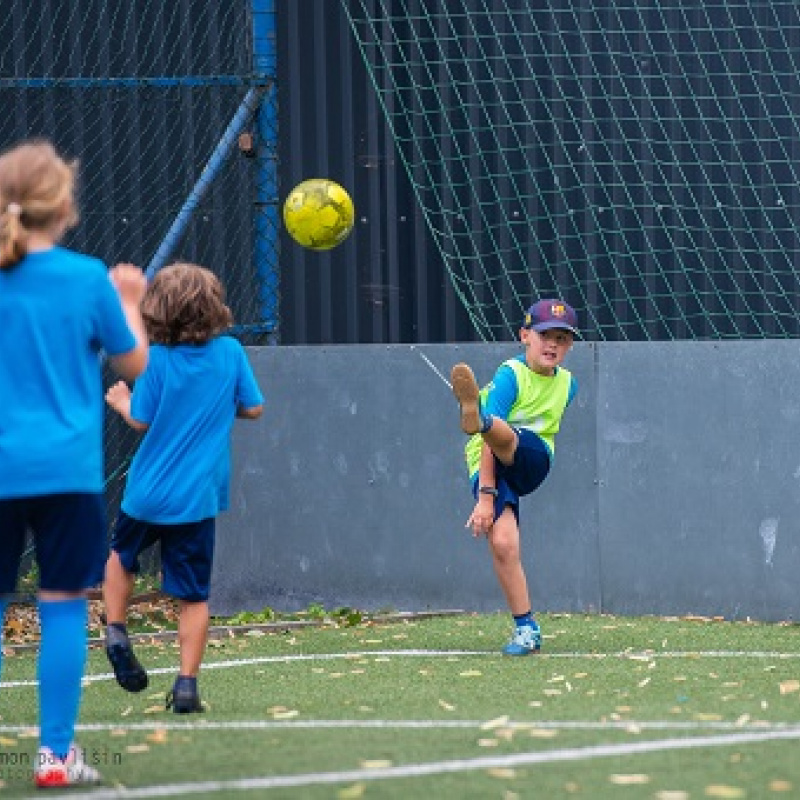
x,y
14,208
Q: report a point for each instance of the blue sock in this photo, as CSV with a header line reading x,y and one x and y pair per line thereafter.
x,y
2,618
62,659
524,619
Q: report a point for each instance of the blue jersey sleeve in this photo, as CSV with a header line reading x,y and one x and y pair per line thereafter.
x,y
147,388
573,389
248,395
502,393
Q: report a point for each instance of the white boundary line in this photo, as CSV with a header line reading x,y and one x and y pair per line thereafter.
x,y
643,655
439,767
623,726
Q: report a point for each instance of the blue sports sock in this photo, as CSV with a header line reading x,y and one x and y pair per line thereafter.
x,y
2,621
62,659
524,619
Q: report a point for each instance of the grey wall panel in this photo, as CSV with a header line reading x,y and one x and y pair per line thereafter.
x,y
700,499
676,486
353,491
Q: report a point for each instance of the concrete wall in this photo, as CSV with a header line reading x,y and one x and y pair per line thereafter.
x,y
675,487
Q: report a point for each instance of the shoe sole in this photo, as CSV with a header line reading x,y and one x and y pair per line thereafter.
x,y
187,710
467,392
532,652
131,681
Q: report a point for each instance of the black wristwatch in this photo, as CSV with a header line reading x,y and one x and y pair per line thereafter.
x,y
488,490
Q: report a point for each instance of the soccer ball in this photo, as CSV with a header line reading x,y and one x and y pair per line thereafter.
x,y
318,214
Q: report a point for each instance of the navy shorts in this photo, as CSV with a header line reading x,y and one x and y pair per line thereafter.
x,y
69,537
187,553
527,472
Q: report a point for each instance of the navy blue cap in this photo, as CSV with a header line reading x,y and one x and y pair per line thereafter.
x,y
547,314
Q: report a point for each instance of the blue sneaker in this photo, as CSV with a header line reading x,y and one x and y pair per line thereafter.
x,y
527,639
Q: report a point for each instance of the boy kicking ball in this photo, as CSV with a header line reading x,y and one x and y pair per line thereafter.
x,y
512,424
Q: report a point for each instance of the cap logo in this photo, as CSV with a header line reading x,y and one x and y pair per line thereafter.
x,y
528,320
558,310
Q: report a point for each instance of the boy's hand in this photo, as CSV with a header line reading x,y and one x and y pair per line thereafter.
x,y
129,282
118,397
482,517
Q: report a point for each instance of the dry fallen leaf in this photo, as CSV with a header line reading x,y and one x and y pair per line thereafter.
x,y
446,706
502,772
488,743
724,791
471,673
629,780
787,687
376,763
672,794
780,786
158,736
6,742
137,748
497,722
352,792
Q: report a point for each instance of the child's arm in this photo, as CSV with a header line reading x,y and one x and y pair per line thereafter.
x,y
253,412
482,517
130,284
119,398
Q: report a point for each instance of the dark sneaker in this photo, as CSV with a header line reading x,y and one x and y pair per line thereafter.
x,y
128,671
184,700
466,390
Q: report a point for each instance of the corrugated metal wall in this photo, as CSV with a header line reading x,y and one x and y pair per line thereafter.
x,y
681,224
386,283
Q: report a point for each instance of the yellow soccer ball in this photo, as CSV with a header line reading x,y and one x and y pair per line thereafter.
x,y
318,214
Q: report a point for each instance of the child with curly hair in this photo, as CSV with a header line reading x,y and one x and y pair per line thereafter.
x,y
197,382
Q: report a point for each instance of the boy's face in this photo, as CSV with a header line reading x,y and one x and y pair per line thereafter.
x,y
546,350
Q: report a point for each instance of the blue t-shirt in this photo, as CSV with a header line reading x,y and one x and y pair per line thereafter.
x,y
188,396
58,309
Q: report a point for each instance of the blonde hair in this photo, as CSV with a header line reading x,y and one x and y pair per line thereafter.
x,y
185,304
37,193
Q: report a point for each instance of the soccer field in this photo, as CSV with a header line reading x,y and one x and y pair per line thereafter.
x,y
612,707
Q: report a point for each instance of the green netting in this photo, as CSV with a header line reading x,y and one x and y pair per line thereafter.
x,y
638,158
143,94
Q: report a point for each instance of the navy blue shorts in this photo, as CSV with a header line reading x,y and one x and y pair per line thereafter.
x,y
69,536
187,553
527,472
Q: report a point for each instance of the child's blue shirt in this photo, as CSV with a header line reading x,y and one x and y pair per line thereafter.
x,y
58,309
188,396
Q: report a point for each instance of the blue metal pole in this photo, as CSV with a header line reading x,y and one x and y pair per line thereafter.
x,y
265,249
207,176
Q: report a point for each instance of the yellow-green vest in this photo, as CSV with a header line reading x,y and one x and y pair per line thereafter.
x,y
540,404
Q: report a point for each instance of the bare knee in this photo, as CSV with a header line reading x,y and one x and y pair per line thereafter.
x,y
504,539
